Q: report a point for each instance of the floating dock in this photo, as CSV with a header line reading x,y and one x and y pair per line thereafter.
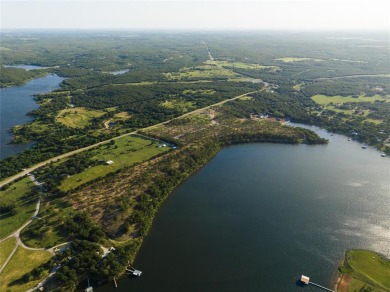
x,y
134,272
306,280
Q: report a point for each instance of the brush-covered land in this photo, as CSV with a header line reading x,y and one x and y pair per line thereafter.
x,y
177,100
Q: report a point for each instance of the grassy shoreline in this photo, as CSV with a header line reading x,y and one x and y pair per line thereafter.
x,y
364,270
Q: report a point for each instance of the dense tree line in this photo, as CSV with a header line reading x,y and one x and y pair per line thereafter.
x,y
81,226
16,76
48,147
138,98
368,86
294,106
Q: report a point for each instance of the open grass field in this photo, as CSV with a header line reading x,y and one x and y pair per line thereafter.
x,y
376,122
366,268
11,277
180,105
337,110
293,59
241,65
77,117
199,92
17,194
246,97
126,152
298,86
6,247
338,99
207,71
122,116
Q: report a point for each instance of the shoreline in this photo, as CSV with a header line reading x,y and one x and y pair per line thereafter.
x,y
366,271
336,284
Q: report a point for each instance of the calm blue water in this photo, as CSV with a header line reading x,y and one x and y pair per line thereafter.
x,y
15,103
257,216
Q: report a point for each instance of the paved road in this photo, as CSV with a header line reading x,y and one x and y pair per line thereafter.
x,y
19,242
352,76
54,159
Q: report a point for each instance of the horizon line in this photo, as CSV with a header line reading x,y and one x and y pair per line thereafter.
x,y
385,30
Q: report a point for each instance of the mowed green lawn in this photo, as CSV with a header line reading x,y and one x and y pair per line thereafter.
x,y
338,99
17,194
6,247
369,267
125,152
22,262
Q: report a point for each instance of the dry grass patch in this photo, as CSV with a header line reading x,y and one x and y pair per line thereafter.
x,y
122,116
6,247
23,262
77,117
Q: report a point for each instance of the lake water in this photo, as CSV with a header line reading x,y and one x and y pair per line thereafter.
x,y
15,103
119,72
26,67
257,216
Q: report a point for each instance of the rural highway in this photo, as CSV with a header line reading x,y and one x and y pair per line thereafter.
x,y
351,76
59,157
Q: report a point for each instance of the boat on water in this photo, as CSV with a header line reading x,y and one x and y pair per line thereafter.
x,y
383,155
364,147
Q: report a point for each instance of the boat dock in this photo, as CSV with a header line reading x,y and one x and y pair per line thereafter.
x,y
306,280
134,272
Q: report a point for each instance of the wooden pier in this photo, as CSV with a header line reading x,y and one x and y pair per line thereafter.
x,y
116,285
322,287
306,280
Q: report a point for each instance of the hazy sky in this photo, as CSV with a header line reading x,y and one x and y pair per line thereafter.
x,y
197,14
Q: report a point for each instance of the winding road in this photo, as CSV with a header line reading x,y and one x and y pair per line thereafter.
x,y
19,242
352,76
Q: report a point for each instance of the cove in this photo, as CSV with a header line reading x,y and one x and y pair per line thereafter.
x,y
15,103
259,215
